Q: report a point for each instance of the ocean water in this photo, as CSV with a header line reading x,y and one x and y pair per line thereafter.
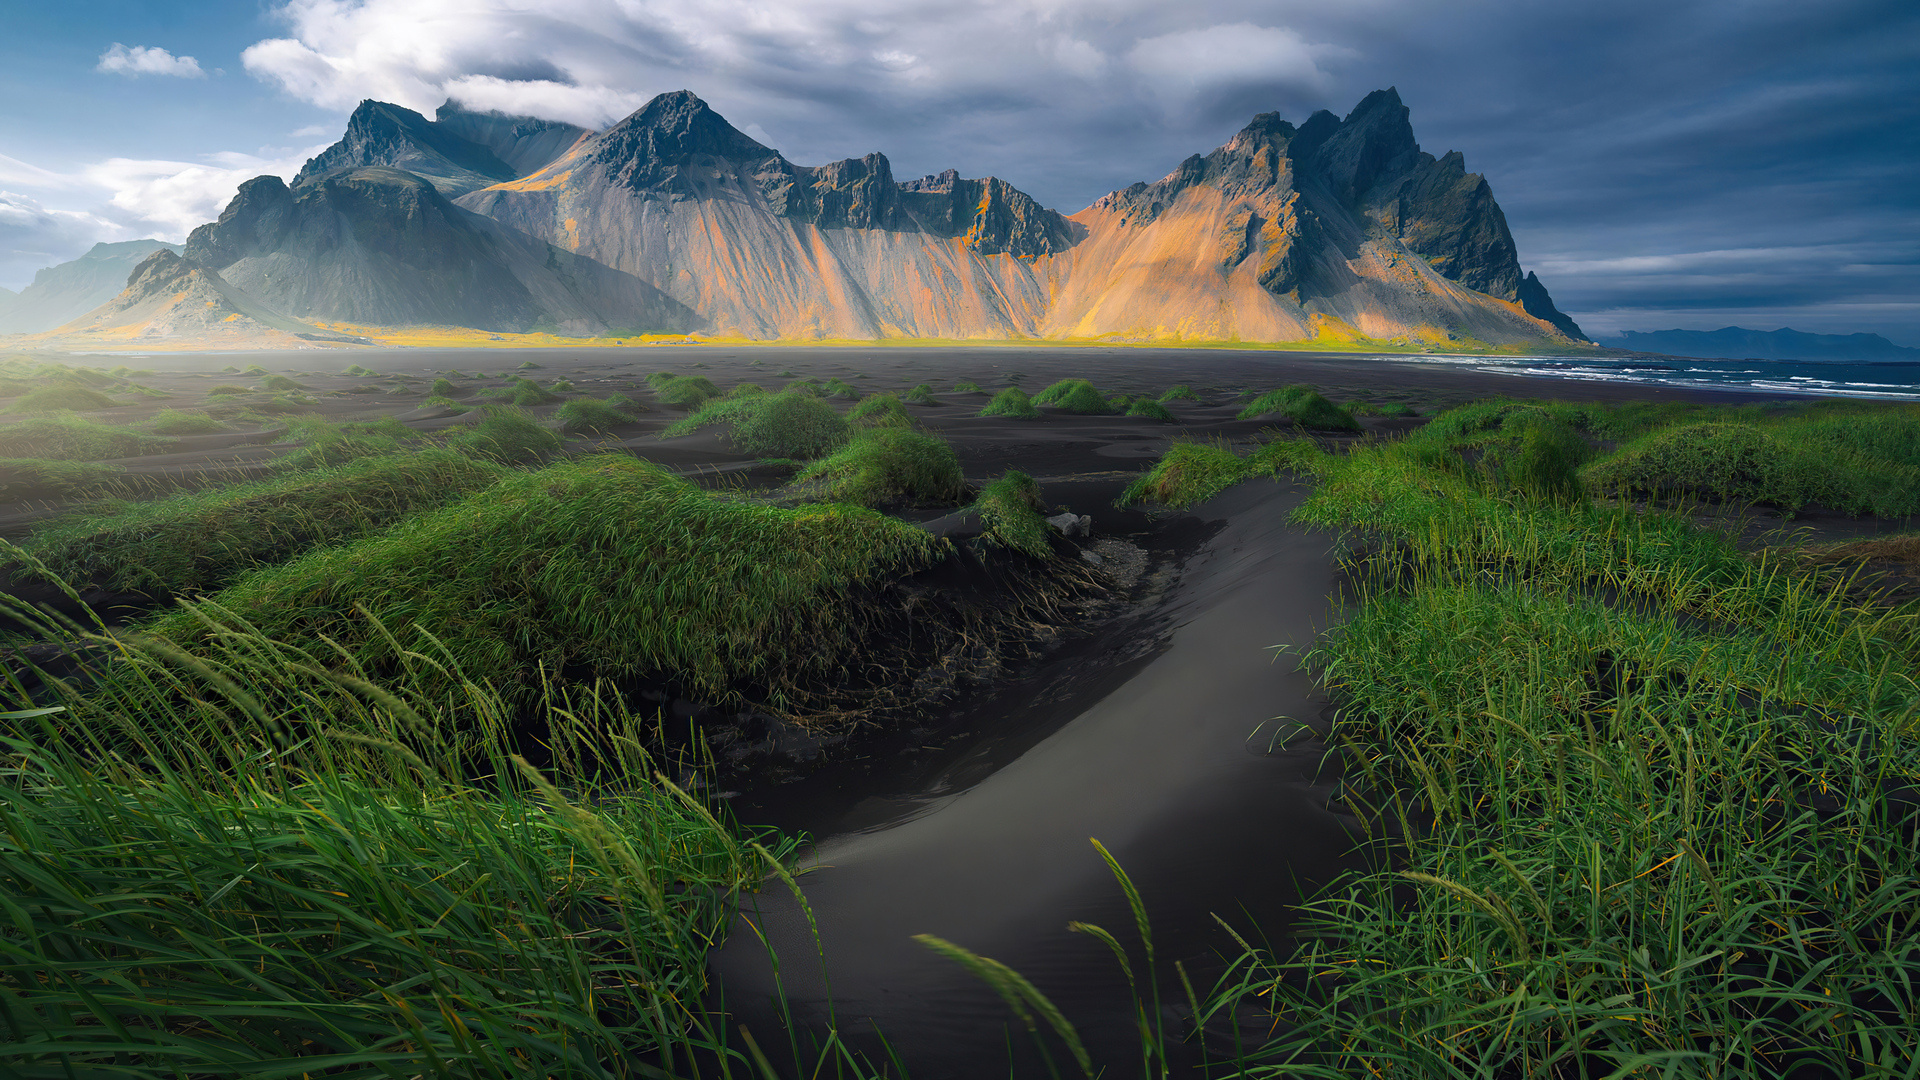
x,y
1890,380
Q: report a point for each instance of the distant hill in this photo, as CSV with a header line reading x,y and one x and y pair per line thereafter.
x,y
65,292
1740,343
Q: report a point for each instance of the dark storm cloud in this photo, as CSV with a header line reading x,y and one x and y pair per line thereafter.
x,y
1740,161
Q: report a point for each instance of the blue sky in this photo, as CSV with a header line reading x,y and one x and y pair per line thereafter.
x,y
1662,164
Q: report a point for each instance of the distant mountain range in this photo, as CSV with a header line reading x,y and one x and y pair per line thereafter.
x,y
674,221
62,293
1739,343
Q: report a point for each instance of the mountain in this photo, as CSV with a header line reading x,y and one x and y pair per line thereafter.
x,y
1282,234
1286,230
168,298
64,292
674,220
379,246
1739,343
456,152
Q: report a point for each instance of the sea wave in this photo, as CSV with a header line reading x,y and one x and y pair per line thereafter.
x,y
1811,378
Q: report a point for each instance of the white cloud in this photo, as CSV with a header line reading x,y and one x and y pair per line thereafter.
x,y
168,199
33,236
1193,62
148,60
833,77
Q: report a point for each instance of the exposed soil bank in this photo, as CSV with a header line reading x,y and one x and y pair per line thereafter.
x,y
1165,760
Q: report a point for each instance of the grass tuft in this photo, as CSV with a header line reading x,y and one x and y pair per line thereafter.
x,y
886,465
879,410
1303,406
1012,402
1014,516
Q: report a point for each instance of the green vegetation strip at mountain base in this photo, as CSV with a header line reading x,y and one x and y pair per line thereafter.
x,y
1672,832
606,562
201,540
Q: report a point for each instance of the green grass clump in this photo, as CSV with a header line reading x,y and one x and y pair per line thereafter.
x,y
1012,402
1860,464
201,540
324,444
355,371
506,434
784,373
39,478
561,386
967,387
280,866
1074,396
789,425
783,425
62,398
879,410
660,378
1390,409
839,390
443,388
1014,516
522,392
1191,472
528,365
586,414
805,386
746,389
229,390
1301,405
1188,473
1151,409
884,465
607,562
626,404
253,369
176,422
71,438
921,395
280,383
1606,756
687,391
1183,392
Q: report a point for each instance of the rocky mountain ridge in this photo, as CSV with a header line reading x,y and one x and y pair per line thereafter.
x,y
674,220
1740,343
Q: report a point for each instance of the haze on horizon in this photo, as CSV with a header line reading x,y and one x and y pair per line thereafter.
x,y
1661,166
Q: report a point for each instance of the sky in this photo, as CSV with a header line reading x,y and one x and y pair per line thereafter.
x,y
1662,163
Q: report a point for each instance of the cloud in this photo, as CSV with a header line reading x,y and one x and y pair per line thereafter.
x,y
33,236
168,199
829,78
148,60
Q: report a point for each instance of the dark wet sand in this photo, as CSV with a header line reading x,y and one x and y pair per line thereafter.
x,y
1150,733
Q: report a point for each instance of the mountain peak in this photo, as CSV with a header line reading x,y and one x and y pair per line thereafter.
x,y
381,133
675,126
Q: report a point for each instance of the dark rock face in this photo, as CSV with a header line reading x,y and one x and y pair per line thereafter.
x,y
991,216
1533,297
1331,182
674,145
383,134
523,143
